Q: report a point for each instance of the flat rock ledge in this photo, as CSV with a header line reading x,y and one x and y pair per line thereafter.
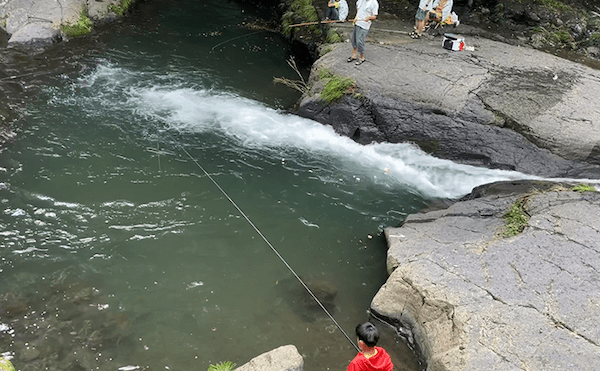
x,y
498,106
473,299
284,358
37,23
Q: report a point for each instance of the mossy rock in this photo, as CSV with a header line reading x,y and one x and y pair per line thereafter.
x,y
5,365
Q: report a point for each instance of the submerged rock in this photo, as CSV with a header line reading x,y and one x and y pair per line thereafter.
x,y
303,304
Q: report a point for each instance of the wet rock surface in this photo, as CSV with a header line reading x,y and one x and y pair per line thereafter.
x,y
474,299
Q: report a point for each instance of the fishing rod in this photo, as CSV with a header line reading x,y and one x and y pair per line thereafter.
x,y
267,242
325,22
312,23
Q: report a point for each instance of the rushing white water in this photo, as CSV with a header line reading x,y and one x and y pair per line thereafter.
x,y
192,109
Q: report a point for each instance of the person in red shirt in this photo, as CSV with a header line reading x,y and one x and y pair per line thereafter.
x,y
370,357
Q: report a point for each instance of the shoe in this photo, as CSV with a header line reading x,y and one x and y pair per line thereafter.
x,y
360,61
350,59
415,35
456,23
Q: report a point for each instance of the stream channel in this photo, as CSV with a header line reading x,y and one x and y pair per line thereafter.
x,y
118,252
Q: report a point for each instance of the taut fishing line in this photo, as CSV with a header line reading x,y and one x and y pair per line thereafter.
x,y
266,241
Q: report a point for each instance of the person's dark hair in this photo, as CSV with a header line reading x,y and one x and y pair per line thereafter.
x,y
368,333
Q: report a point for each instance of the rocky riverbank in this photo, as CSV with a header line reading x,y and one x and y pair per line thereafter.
x,y
478,296
499,106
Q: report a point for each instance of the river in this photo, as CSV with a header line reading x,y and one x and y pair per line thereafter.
x,y
120,247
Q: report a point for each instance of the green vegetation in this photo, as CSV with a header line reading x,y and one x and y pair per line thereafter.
x,y
581,188
305,10
336,87
6,365
223,366
324,73
301,11
516,218
83,26
554,5
333,37
122,7
556,36
595,39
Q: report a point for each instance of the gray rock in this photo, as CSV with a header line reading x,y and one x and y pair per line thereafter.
x,y
35,33
284,358
38,22
499,106
475,300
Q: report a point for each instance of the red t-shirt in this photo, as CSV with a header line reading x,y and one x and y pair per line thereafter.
x,y
381,361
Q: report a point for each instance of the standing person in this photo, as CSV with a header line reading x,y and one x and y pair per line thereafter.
x,y
370,357
366,11
343,10
422,12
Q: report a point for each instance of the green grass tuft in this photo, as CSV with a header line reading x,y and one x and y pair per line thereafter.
x,y
122,7
83,26
337,87
223,366
516,218
581,188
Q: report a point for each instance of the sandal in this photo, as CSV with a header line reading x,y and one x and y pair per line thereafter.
x,y
350,59
360,61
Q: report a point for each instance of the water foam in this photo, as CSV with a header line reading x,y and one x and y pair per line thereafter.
x,y
254,125
188,108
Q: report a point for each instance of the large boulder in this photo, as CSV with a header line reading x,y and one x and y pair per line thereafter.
x,y
284,358
473,299
38,23
499,106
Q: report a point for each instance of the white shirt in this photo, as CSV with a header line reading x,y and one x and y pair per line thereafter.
x,y
364,9
343,10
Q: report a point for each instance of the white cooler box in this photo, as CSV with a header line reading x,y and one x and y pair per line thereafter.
x,y
453,42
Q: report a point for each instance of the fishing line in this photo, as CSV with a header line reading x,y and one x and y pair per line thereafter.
x,y
266,241
235,38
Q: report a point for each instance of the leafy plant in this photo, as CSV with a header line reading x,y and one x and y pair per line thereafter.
x,y
83,26
516,218
222,366
581,188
